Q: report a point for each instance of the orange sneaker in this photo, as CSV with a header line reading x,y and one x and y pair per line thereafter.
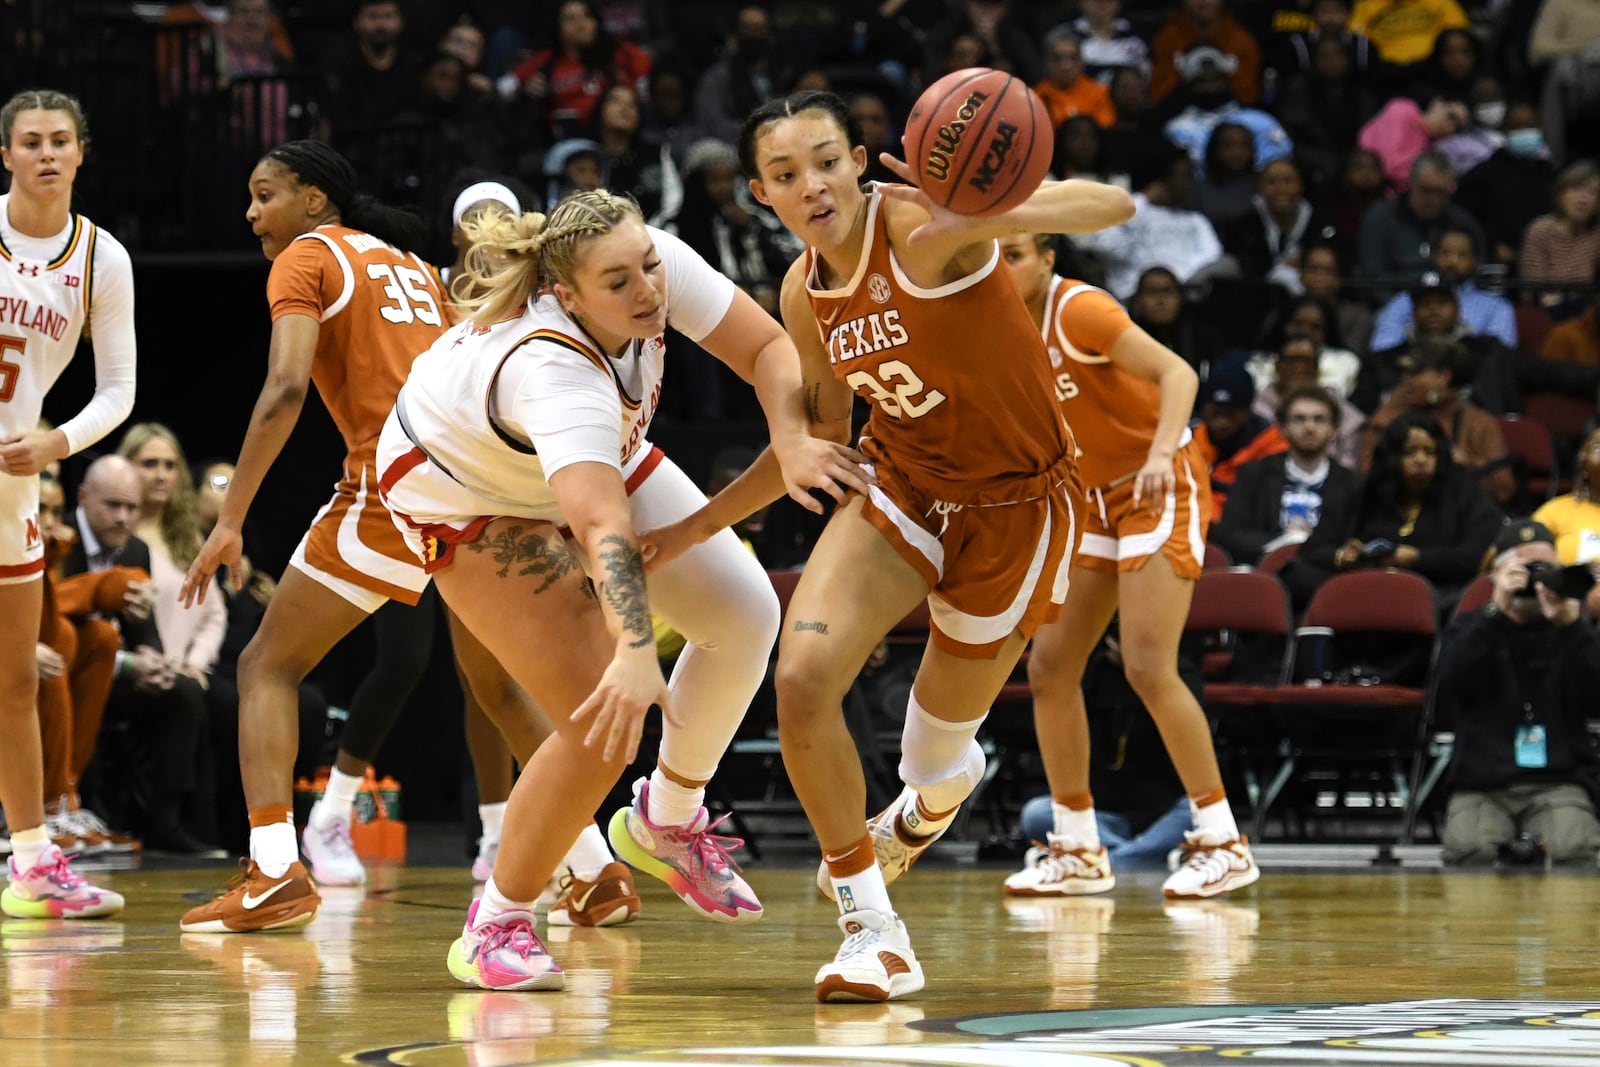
x,y
253,902
609,900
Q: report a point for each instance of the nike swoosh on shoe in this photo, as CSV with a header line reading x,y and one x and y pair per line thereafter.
x,y
252,903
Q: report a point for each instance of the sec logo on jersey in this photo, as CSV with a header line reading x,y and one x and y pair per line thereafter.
x,y
878,288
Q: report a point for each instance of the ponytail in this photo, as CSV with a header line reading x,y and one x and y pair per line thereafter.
x,y
509,257
315,163
404,229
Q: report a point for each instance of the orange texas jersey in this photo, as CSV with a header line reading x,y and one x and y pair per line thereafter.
x,y
379,307
956,375
1113,413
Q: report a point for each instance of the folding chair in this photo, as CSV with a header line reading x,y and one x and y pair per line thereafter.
x,y
1530,443
1329,720
1230,610
1274,562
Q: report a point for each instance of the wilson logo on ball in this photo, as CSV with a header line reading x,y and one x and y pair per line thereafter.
x,y
994,160
947,139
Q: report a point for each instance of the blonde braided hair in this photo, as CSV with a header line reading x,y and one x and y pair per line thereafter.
x,y
510,257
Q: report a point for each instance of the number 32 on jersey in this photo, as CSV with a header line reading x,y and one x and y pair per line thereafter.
x,y
897,389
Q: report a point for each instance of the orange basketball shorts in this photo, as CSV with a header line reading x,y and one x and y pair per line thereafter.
x,y
1119,537
353,546
997,560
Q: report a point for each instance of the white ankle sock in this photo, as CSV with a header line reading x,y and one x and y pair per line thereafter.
x,y
28,846
1078,825
588,854
862,892
944,798
672,804
494,904
274,848
1215,820
493,816
337,800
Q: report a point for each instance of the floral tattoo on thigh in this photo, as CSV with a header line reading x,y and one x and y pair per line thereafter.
x,y
533,553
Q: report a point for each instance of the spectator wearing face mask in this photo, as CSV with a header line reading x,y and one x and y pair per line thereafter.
x,y
1515,185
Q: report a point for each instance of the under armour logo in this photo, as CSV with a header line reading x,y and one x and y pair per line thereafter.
x,y
28,268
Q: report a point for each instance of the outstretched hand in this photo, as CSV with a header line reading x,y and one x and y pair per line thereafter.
x,y
942,222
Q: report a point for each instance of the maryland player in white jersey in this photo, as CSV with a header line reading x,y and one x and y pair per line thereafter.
x,y
59,273
1129,400
975,508
533,416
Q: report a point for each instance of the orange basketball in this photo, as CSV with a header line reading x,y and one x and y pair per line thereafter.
x,y
979,141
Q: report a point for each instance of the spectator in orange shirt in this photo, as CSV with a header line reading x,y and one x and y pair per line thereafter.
x,y
1066,90
1200,22
1577,340
1229,434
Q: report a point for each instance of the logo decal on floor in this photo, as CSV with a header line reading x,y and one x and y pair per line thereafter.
x,y
1485,1033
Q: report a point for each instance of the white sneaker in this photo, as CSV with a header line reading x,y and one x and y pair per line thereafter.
x,y
875,962
1065,868
483,866
332,857
1211,866
896,851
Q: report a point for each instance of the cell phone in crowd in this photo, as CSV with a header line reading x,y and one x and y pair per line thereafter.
x,y
1378,546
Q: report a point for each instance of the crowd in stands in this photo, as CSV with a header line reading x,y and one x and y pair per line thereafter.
x,y
1373,227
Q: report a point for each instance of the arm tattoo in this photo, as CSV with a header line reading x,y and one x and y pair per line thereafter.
x,y
623,587
814,403
538,554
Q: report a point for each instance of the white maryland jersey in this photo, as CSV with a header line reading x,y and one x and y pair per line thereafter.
x,y
497,410
48,289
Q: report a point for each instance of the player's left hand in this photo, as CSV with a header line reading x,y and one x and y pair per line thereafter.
x,y
942,222
1153,482
811,463
666,543
25,454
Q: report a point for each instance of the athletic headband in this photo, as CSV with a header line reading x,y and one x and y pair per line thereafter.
x,y
477,193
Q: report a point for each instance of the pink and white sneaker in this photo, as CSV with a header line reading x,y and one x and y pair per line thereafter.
x,y
691,859
52,891
503,954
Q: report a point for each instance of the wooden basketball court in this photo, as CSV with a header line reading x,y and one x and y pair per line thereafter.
x,y
1482,965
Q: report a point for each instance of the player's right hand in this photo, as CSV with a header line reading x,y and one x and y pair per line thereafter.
x,y
631,683
224,548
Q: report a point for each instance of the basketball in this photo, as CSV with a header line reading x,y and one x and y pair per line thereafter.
x,y
979,141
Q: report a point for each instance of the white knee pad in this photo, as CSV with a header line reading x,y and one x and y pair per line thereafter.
x,y
940,760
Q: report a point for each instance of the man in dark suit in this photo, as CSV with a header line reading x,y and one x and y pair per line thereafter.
x,y
165,709
108,506
1280,499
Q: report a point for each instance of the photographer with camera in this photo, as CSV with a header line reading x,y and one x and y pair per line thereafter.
x,y
1517,679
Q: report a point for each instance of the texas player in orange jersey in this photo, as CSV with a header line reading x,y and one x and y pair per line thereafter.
x,y
1129,399
975,509
352,307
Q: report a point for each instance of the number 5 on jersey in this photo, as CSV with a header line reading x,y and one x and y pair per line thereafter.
x,y
902,398
408,288
10,370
